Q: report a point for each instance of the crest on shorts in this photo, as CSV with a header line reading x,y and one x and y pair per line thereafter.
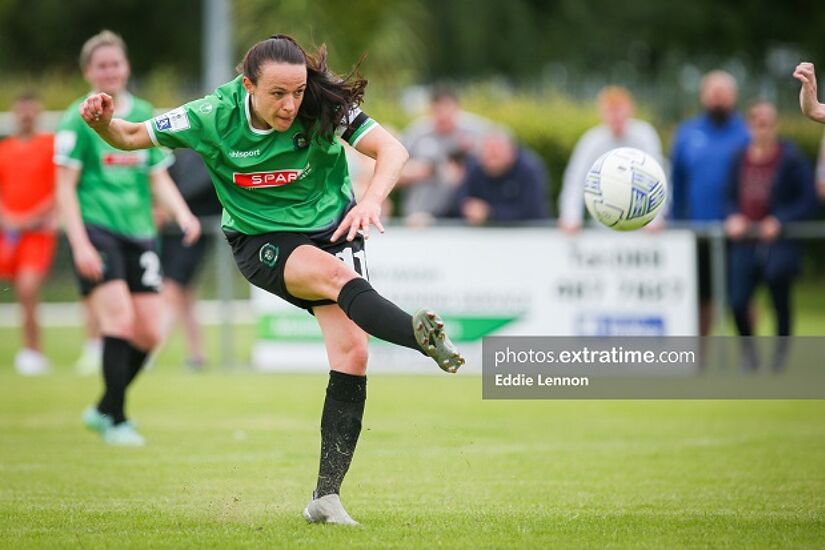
x,y
268,254
300,141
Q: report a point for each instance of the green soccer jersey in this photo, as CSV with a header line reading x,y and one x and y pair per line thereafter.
x,y
113,189
266,180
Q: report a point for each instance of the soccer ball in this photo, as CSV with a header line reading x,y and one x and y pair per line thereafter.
x,y
625,189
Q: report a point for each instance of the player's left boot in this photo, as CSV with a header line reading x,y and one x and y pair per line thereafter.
x,y
96,421
429,333
327,509
123,435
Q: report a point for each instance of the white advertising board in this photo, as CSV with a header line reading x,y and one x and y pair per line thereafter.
x,y
519,281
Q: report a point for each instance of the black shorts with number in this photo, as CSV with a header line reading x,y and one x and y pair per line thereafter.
x,y
261,258
133,260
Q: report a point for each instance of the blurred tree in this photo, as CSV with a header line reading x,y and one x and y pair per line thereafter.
x,y
46,35
386,30
484,37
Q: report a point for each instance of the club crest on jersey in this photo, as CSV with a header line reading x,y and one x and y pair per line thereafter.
x,y
268,254
300,141
258,180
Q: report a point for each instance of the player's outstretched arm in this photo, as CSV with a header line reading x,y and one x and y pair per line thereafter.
x,y
97,111
808,101
390,157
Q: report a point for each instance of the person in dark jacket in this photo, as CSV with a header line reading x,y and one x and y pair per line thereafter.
x,y
508,183
181,264
770,185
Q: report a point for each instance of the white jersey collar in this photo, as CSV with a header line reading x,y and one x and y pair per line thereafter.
x,y
247,104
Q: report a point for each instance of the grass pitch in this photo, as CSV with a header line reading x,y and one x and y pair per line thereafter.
x,y
232,458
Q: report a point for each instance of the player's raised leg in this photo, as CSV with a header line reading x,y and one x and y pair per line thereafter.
x,y
346,393
313,274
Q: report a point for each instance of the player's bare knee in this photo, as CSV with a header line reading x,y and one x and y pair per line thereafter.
x,y
356,356
27,288
146,337
118,330
338,276
27,293
119,323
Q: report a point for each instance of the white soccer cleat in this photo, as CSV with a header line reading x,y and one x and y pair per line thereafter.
x,y
123,435
29,362
327,509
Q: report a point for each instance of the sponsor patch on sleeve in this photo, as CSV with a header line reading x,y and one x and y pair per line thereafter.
x,y
175,120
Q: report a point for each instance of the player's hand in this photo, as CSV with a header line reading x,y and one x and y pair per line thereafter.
x,y
808,101
365,213
769,229
97,110
736,225
191,227
571,228
88,262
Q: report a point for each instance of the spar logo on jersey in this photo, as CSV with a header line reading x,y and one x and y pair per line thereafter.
x,y
258,180
124,159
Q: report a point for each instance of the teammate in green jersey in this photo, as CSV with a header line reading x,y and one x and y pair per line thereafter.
x,y
105,197
271,140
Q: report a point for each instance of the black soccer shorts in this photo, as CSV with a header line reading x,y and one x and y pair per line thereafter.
x,y
181,263
261,258
133,260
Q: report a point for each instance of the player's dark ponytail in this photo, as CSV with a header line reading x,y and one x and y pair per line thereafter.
x,y
328,97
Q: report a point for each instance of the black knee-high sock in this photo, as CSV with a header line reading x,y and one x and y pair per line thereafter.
x,y
376,315
340,428
137,358
116,377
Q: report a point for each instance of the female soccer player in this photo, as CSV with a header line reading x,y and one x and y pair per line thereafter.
x,y
105,197
271,141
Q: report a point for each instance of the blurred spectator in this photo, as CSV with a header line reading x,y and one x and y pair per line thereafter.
x,y
703,155
180,263
437,144
507,183
820,172
770,185
617,129
27,241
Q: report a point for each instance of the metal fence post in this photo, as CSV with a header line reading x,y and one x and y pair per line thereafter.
x,y
718,264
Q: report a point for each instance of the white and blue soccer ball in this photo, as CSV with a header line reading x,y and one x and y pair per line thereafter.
x,y
625,189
